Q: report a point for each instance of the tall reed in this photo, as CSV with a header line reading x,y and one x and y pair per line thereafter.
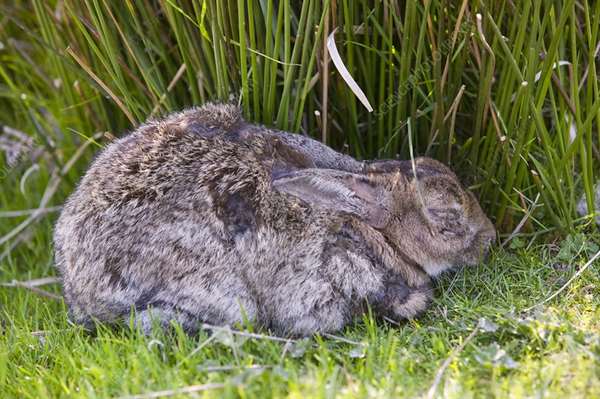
x,y
504,91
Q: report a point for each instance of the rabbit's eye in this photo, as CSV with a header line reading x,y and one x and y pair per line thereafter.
x,y
451,233
444,215
449,223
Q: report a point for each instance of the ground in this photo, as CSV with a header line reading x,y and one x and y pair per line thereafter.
x,y
477,340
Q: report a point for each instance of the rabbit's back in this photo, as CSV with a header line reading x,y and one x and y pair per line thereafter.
x,y
151,215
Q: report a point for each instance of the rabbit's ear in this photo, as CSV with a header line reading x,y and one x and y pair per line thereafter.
x,y
386,166
337,191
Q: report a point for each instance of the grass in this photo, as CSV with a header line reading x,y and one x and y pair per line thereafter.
x,y
506,92
551,351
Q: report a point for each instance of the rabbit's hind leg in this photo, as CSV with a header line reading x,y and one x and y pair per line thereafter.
x,y
163,314
327,317
190,313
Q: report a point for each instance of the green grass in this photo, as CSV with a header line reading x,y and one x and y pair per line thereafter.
x,y
510,101
505,92
551,351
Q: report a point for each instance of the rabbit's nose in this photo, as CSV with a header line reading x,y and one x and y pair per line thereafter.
x,y
488,241
489,233
488,237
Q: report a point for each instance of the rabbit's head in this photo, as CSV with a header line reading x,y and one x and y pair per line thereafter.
x,y
421,209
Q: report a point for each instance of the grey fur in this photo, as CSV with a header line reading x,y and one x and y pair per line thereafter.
x,y
202,217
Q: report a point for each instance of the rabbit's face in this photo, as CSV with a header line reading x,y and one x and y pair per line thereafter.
x,y
434,220
428,219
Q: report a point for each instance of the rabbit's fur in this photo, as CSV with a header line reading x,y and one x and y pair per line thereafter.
x,y
202,217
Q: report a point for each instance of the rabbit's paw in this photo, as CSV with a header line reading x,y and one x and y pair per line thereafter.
x,y
412,304
399,301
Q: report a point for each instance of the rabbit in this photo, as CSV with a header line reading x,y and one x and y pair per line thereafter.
x,y
201,217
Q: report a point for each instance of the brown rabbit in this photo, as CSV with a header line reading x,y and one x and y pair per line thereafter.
x,y
202,217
